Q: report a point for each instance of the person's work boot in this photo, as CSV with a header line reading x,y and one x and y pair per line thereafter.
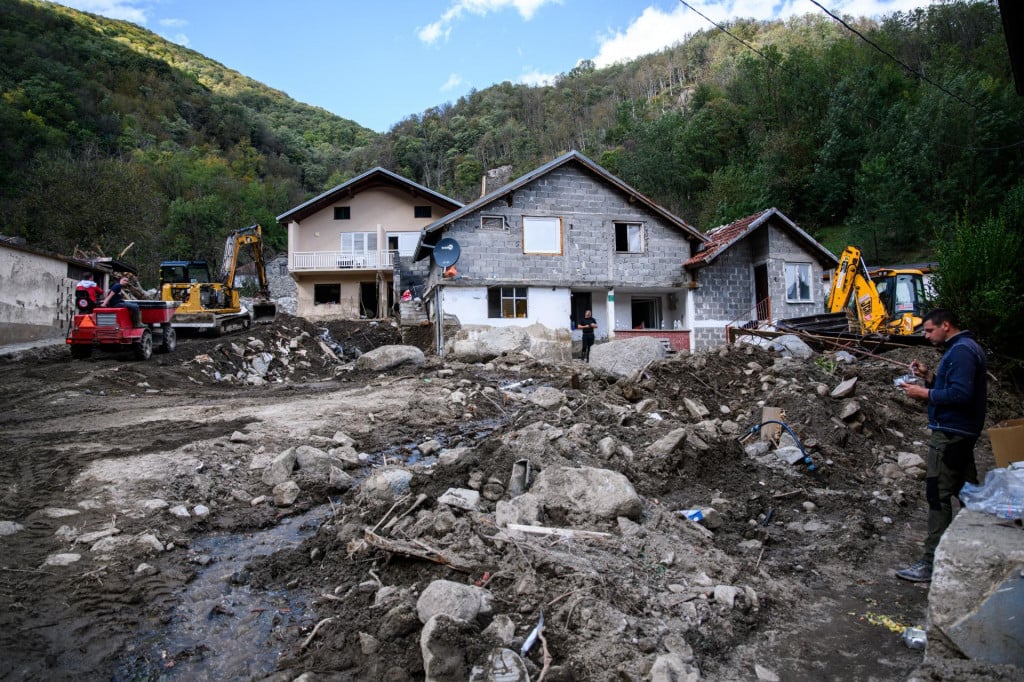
x,y
921,572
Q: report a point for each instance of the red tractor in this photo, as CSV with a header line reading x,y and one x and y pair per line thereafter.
x,y
111,329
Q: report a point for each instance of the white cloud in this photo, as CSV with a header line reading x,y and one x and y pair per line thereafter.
x,y
656,29
181,39
537,78
128,10
443,26
454,81
173,23
430,33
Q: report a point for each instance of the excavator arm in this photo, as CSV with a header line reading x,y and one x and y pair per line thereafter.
x,y
251,236
851,284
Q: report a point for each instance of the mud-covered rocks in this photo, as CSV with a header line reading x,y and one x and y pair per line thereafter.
x,y
390,357
623,357
587,492
455,600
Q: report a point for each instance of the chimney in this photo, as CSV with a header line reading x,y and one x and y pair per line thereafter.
x,y
495,178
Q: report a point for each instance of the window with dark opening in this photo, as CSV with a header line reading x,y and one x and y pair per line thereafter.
x,y
342,212
629,238
326,293
423,211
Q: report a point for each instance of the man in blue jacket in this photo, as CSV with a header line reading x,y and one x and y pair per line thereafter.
x,y
956,394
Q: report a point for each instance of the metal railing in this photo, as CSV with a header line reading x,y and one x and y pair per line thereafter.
x,y
338,260
757,316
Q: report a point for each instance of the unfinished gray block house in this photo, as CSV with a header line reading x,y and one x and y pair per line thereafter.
x,y
754,270
565,238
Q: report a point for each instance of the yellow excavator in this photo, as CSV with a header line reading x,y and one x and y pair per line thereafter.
x,y
889,302
214,307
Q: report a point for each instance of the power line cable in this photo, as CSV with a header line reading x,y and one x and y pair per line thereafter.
x,y
753,49
867,40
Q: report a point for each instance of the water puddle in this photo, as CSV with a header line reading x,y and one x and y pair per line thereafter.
x,y
223,630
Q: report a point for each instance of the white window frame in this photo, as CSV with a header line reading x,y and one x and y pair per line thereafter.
x,y
542,235
358,243
793,272
641,236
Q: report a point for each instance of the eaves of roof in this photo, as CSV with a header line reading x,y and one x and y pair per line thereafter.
x,y
431,234
374,177
721,238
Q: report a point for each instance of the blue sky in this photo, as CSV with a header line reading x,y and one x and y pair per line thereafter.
x,y
379,62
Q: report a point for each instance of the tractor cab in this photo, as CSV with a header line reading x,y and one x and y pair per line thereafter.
x,y
901,291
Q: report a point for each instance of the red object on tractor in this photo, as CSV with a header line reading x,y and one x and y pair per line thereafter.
x,y
111,329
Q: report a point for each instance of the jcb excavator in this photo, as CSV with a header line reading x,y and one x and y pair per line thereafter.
x,y
214,306
890,302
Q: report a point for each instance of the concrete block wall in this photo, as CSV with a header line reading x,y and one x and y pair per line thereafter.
x,y
278,279
726,287
785,249
589,208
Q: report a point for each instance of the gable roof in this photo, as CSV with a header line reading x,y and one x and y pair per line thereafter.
x,y
432,233
724,236
375,177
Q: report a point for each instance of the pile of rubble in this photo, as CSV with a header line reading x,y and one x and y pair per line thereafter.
x,y
648,523
292,349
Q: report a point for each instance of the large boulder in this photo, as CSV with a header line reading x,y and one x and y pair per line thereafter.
x,y
587,492
486,343
389,357
623,357
455,600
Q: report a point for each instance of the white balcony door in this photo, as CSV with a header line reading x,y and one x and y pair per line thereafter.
x,y
359,244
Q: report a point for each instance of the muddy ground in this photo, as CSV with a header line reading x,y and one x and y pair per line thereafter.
x,y
101,577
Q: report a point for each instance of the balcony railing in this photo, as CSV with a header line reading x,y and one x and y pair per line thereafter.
x,y
337,260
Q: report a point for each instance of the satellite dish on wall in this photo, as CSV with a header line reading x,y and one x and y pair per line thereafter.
x,y
447,252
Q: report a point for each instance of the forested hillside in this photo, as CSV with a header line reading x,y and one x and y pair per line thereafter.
x,y
109,134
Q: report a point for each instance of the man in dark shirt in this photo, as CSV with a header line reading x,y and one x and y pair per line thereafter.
x,y
587,325
956,394
115,299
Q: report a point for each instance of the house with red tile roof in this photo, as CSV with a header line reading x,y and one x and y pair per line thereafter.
x,y
756,269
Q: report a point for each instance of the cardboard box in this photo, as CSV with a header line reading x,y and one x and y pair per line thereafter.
x,y
1007,441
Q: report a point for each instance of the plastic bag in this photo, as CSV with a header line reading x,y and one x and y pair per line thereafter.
x,y
1001,494
907,379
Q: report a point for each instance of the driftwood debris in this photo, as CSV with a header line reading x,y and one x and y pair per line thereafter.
x,y
561,532
414,549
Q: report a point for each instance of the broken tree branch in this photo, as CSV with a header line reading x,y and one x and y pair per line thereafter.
x,y
316,629
412,550
561,532
547,657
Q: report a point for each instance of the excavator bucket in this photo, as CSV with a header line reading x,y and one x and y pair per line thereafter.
x,y
264,312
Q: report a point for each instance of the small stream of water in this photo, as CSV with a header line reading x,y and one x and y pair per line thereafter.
x,y
224,630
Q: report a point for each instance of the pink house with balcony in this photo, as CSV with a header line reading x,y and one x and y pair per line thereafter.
x,y
349,247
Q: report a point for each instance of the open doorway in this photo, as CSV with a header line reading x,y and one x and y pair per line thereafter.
x,y
579,303
762,300
368,300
